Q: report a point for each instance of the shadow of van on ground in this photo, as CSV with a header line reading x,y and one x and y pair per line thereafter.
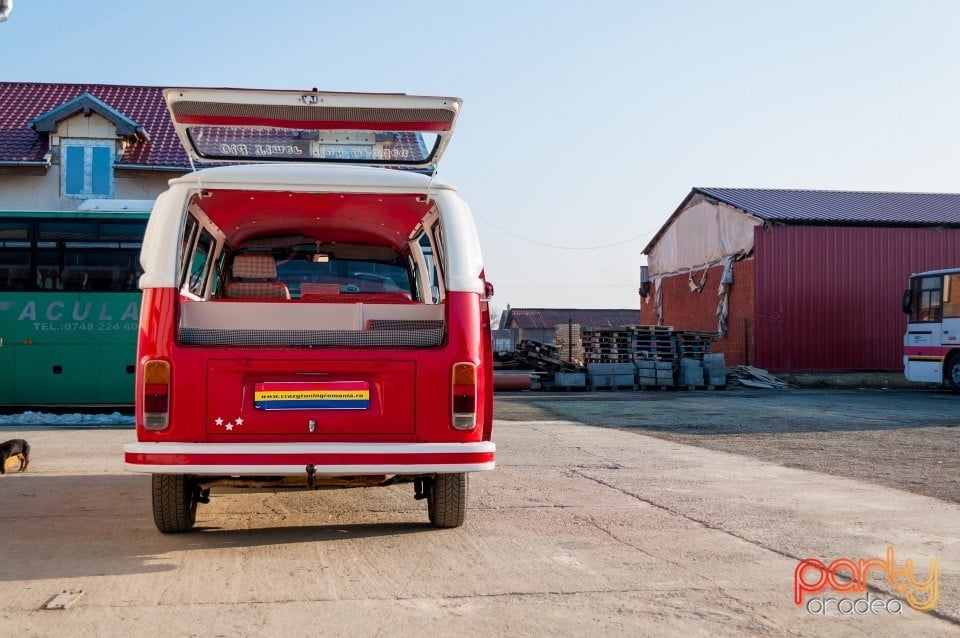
x,y
65,526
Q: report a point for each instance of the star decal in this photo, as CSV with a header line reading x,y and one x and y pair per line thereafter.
x,y
228,425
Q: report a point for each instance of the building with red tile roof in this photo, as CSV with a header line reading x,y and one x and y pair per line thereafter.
x,y
23,103
61,144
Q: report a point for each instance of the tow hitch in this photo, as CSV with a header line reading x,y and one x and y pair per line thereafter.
x,y
200,495
311,477
421,488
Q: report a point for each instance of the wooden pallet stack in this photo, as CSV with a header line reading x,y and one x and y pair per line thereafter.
x,y
654,342
542,357
692,344
608,345
569,342
655,351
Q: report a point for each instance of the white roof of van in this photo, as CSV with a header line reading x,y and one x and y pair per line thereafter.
x,y
309,177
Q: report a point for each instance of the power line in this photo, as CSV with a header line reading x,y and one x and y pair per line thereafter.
x,y
545,244
567,285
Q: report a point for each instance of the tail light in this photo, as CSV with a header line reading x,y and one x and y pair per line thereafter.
x,y
156,395
464,396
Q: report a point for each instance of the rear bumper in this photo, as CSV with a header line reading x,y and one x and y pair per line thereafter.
x,y
288,459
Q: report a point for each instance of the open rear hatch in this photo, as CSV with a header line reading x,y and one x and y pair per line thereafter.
x,y
234,125
362,397
299,396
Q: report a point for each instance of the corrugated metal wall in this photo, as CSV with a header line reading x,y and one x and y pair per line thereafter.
x,y
687,310
828,298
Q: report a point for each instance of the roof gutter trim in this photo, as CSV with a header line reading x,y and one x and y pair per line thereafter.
x,y
153,167
24,163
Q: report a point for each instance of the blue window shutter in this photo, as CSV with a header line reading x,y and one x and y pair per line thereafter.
x,y
74,171
100,184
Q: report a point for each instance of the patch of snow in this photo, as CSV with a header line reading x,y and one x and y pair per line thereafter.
x,y
44,418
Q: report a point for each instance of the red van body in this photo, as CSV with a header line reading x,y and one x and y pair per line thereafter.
x,y
312,322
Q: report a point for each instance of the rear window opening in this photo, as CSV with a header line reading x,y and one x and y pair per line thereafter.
x,y
322,272
311,270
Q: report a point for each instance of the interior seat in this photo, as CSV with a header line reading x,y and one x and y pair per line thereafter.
x,y
254,276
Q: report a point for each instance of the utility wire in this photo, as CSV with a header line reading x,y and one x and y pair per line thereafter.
x,y
540,243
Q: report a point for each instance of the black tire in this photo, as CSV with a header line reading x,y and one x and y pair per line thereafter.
x,y
174,509
447,500
952,373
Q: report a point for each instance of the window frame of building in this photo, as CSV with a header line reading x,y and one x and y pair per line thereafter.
x,y
94,178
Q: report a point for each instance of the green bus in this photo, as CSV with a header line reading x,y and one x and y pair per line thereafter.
x,y
69,306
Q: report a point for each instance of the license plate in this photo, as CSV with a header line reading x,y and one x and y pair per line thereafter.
x,y
333,395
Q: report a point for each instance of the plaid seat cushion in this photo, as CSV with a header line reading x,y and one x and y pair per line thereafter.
x,y
254,267
405,324
256,290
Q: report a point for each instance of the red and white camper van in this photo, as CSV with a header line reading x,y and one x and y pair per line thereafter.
x,y
311,315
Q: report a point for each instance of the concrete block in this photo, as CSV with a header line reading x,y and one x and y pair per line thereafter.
x,y
715,376
600,368
599,380
715,359
570,379
622,380
623,368
645,364
664,378
664,365
687,362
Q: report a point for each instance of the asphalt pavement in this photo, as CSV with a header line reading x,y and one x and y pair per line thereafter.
x,y
588,526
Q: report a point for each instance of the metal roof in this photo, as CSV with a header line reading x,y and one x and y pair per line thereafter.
x,y
587,318
812,207
842,207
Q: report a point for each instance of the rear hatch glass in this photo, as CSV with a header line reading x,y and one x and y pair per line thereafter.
x,y
232,125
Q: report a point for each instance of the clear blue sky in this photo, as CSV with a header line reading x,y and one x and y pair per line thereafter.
x,y
582,126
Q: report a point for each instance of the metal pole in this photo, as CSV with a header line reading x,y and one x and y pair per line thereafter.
x,y
746,340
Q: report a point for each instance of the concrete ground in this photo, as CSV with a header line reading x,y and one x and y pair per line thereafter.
x,y
589,526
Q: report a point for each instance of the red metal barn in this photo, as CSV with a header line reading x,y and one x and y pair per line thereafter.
x,y
798,281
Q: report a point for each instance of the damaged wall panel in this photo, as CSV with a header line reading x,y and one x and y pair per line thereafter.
x,y
687,310
704,233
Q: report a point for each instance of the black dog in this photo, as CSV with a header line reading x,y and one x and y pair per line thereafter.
x,y
14,447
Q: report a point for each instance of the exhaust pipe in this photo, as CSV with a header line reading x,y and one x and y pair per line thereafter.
x,y
6,6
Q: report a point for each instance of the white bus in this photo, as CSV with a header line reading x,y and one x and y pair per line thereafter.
x,y
931,346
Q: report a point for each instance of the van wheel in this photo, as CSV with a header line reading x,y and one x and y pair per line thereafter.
x,y
953,372
447,500
174,508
